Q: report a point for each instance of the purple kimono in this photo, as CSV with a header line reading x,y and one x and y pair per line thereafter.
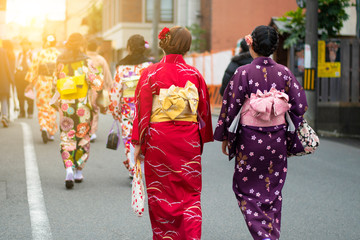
x,y
260,151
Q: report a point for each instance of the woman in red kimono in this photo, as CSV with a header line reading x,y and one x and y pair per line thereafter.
x,y
172,122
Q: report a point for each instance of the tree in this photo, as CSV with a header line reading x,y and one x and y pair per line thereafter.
x,y
198,42
93,20
331,17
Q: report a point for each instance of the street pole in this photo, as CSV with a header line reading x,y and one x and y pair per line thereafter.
x,y
155,28
358,18
311,48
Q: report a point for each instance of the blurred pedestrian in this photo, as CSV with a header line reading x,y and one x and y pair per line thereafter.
x,y
172,122
242,58
41,75
7,62
104,72
122,94
23,64
75,76
9,47
260,94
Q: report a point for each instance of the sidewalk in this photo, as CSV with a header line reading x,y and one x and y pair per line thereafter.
x,y
215,111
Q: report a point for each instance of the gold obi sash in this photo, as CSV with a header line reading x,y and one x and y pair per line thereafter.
x,y
129,85
175,103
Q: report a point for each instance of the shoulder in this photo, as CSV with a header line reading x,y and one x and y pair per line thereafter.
x,y
100,58
245,69
154,66
186,68
283,69
144,65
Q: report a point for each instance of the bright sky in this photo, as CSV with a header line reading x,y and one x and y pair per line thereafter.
x,y
23,11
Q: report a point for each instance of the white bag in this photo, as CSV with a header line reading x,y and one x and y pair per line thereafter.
x,y
137,193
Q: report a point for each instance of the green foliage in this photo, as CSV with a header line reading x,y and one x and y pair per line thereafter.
x,y
295,26
94,19
331,17
198,42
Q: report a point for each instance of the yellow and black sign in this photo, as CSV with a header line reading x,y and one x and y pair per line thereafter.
x,y
309,79
329,65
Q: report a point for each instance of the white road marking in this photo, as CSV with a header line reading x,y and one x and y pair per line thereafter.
x,y
39,220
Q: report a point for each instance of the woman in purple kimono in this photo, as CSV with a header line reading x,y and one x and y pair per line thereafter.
x,y
252,125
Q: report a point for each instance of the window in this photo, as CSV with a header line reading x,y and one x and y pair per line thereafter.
x,y
166,10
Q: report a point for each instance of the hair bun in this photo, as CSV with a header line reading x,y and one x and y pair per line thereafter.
x,y
136,43
265,40
177,41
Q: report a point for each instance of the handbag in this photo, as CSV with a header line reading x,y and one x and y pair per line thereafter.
x,y
113,137
137,196
47,69
306,137
103,101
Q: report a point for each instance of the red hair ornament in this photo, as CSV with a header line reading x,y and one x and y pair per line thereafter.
x,y
164,33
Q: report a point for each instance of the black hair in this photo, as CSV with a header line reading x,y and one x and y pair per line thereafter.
x,y
265,40
136,44
92,45
243,45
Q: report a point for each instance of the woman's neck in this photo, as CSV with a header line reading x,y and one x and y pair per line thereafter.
x,y
253,53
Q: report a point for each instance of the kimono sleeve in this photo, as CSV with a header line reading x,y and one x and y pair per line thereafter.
x,y
233,99
115,94
95,80
33,72
204,112
143,106
297,99
108,81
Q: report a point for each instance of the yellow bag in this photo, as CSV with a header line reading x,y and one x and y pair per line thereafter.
x,y
72,87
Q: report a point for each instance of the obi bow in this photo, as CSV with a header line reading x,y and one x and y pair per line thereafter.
x,y
174,100
262,105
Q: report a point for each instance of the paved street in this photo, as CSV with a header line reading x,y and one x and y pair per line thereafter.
x,y
321,195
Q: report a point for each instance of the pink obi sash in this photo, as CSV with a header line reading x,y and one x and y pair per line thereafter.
x,y
265,109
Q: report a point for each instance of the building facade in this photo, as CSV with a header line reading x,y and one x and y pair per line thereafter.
x,y
226,22
124,18
76,11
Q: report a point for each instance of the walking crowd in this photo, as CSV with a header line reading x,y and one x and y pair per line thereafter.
x,y
163,109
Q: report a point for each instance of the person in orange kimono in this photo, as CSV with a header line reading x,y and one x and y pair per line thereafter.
x,y
40,75
75,77
172,122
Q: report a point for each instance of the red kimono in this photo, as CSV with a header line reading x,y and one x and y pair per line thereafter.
x,y
172,122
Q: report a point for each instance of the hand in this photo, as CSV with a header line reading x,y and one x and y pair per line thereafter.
x,y
55,106
29,87
138,169
103,110
225,147
137,153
